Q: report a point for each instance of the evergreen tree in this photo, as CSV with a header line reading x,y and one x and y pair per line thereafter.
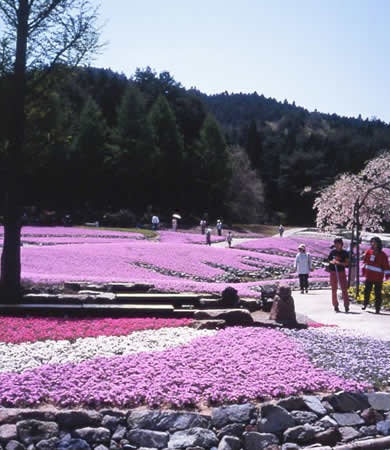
x,y
133,156
169,143
88,154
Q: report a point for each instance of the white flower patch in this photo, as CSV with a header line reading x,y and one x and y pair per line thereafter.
x,y
21,357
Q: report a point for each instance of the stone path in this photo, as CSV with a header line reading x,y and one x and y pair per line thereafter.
x,y
317,305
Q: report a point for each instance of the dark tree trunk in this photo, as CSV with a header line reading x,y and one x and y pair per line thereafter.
x,y
10,258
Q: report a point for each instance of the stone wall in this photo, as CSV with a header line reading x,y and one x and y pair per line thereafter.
x,y
290,423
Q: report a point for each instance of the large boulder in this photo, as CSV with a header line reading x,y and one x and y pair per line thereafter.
x,y
193,437
230,316
32,431
167,420
259,441
274,419
78,418
230,298
283,308
148,438
225,415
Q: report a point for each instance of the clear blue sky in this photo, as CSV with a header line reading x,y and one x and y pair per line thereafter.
x,y
329,55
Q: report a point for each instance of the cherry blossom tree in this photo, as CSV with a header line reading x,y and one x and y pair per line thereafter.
x,y
368,191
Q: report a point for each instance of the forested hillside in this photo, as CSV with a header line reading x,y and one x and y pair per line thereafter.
x,y
99,142
293,149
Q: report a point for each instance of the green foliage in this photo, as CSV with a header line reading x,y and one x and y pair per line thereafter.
x,y
385,294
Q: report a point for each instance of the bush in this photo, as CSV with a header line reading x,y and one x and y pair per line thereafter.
x,y
385,294
122,218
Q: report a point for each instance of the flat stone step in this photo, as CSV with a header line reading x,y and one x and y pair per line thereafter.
x,y
86,306
178,300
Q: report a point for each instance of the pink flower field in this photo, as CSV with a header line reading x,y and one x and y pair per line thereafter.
x,y
197,367
175,261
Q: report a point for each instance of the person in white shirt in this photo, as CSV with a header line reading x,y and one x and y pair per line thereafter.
x,y
303,265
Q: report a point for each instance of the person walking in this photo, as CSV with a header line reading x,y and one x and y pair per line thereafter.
x,y
303,265
219,227
155,222
375,268
208,236
338,261
281,230
229,239
203,224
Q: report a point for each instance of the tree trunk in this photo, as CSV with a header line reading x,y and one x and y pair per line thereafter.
x,y
10,258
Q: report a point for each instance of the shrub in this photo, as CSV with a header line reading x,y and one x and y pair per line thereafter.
x,y
121,218
385,294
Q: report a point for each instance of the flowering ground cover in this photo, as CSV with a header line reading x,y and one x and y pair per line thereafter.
x,y
196,367
346,353
15,330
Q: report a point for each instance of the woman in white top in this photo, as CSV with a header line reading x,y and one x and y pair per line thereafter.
x,y
303,265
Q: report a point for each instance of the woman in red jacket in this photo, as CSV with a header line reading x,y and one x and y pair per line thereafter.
x,y
375,268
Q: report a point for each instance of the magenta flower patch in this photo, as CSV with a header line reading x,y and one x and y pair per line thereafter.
x,y
235,365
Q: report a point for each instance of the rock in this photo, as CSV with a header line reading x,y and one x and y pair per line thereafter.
x,y
229,298
250,304
78,418
274,419
348,434
13,415
111,422
371,416
15,445
128,287
32,431
292,403
379,400
229,443
167,420
230,316
329,408
383,427
290,446
7,433
114,446
283,308
233,429
302,417
233,414
73,444
258,441
193,437
208,324
92,435
302,434
327,422
47,444
101,447
328,437
347,401
313,403
148,438
119,433
347,419
368,431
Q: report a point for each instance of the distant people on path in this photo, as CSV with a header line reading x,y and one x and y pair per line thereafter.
x,y
203,225
303,266
208,236
338,261
174,224
375,268
155,222
219,227
281,230
229,239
